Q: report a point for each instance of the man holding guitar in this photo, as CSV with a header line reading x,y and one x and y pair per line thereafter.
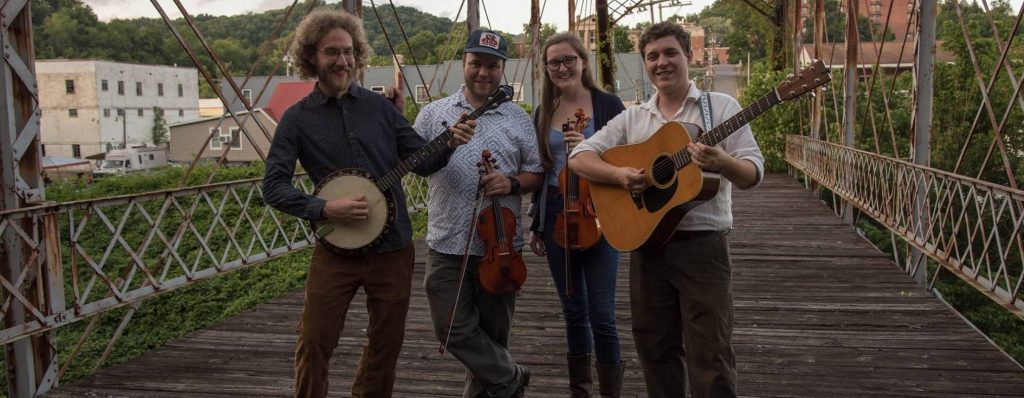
x,y
476,324
341,126
682,291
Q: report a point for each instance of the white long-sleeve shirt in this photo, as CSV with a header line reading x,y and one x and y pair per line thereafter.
x,y
639,123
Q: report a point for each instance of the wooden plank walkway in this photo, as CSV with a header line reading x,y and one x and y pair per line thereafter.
x,y
819,313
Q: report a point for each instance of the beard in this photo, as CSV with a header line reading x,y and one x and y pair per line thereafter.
x,y
333,84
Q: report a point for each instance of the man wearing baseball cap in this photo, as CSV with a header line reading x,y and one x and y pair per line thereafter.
x,y
481,325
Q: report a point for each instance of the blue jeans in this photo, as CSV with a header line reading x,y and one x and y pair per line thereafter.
x,y
590,310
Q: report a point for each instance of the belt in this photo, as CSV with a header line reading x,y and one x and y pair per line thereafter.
x,y
687,235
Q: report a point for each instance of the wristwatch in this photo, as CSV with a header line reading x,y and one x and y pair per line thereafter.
x,y
515,186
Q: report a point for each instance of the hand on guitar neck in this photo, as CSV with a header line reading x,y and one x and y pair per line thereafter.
x,y
742,173
347,210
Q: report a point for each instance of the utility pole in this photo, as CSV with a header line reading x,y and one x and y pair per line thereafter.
x,y
924,67
535,49
572,16
604,47
124,127
354,7
850,77
472,15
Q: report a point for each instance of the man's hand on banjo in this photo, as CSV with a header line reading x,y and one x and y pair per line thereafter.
x,y
348,210
462,132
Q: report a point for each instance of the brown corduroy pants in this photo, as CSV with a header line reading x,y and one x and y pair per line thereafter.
x,y
330,286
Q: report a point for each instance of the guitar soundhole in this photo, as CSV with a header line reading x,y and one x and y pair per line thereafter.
x,y
663,170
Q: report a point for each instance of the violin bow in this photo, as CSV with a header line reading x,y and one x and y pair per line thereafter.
x,y
465,261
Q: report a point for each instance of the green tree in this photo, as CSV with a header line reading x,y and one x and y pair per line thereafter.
x,y
68,33
159,130
620,36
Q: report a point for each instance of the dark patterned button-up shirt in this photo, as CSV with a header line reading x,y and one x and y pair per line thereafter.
x,y
361,129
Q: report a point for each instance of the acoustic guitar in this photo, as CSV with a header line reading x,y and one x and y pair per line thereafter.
x,y
647,219
358,237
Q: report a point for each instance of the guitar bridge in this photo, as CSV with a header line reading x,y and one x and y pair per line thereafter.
x,y
637,200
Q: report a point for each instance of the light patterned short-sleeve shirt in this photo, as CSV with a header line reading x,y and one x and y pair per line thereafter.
x,y
509,134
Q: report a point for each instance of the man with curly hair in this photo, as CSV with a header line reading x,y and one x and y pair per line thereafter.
x,y
341,125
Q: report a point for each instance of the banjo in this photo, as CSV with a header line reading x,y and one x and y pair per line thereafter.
x,y
359,237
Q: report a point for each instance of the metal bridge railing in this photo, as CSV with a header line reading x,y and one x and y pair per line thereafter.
x,y
970,227
107,253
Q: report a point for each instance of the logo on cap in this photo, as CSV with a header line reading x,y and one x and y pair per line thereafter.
x,y
489,40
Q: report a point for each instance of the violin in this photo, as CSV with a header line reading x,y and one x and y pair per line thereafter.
x,y
576,228
502,270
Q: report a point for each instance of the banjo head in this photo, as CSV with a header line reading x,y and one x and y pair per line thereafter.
x,y
354,238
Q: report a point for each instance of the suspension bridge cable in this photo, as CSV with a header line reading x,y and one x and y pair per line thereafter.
x,y
444,53
394,54
411,52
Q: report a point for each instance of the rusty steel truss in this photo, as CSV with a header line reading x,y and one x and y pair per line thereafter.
x,y
972,228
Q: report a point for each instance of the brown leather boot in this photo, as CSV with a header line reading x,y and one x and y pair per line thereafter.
x,y
580,380
609,380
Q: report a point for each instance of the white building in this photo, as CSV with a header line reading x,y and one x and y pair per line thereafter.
x,y
89,106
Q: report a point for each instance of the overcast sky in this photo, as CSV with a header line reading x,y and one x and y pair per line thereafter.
x,y
505,15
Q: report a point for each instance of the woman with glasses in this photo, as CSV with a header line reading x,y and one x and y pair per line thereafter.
x,y
589,307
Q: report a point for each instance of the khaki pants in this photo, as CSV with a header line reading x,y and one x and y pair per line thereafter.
x,y
683,293
481,329
332,282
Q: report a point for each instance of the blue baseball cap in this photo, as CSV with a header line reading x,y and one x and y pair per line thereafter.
x,y
487,42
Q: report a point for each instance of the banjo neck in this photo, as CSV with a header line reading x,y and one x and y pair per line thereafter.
x,y
440,143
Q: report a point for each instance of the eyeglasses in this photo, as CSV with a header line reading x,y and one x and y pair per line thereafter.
x,y
569,62
334,53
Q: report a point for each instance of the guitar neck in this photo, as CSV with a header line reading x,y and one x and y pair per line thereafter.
x,y
726,128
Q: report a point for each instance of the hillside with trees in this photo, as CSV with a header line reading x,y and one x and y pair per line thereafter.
x,y
70,29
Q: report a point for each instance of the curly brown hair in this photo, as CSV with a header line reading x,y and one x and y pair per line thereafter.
x,y
314,27
662,29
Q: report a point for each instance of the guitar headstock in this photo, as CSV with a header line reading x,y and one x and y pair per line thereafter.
x,y
809,78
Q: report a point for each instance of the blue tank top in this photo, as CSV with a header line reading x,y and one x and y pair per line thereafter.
x,y
557,145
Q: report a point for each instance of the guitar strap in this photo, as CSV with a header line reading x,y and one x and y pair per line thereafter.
x,y
705,111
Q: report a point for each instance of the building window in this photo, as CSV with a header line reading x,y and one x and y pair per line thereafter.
x,y
160,89
421,93
138,88
120,112
69,86
247,94
181,113
215,138
140,112
73,112
517,89
103,85
106,112
235,137
43,148
76,150
120,87
151,156
181,90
